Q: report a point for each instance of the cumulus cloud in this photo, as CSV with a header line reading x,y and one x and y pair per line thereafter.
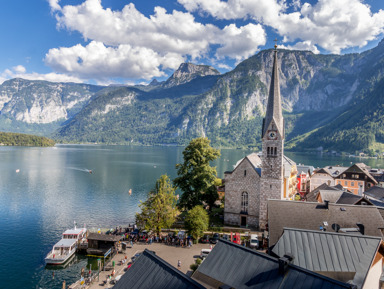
x,y
331,24
99,61
129,44
304,45
21,72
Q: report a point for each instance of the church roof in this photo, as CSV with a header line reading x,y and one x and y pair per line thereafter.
x,y
274,111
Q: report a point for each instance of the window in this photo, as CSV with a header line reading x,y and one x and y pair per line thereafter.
x,y
245,173
244,202
352,184
345,183
275,151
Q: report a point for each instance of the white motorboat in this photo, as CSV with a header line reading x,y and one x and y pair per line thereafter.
x,y
64,249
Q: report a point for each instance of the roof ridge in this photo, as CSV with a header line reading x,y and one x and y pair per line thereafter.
x,y
333,233
156,258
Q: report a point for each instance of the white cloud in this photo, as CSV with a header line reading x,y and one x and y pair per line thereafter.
x,y
101,62
331,24
21,72
128,44
305,45
54,4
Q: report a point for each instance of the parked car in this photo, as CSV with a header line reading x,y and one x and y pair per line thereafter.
x,y
254,241
215,238
204,253
204,239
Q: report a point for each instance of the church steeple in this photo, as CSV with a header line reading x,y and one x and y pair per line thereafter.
x,y
274,111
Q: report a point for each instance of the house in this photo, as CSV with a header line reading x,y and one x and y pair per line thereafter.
x,y
356,179
313,195
233,266
365,220
325,175
150,271
99,244
304,174
354,259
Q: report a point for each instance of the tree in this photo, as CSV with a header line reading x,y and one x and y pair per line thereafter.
x,y
196,222
195,175
159,210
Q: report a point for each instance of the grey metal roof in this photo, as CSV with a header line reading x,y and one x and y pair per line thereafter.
x,y
312,196
375,192
152,272
241,267
305,169
305,215
329,252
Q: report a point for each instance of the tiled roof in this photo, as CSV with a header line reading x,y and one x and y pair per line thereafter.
x,y
240,267
348,199
330,195
150,271
305,215
329,252
312,196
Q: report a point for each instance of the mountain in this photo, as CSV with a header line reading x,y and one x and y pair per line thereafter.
x,y
333,101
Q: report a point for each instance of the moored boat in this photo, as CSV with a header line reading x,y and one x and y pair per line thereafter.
x,y
64,249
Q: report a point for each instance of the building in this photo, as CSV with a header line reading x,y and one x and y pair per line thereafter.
x,y
99,244
256,179
354,259
325,175
304,174
356,179
150,271
233,266
365,220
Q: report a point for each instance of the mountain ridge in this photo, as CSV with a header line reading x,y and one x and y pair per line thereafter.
x,y
228,108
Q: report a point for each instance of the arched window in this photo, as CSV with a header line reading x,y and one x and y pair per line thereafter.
x,y
275,153
244,202
268,151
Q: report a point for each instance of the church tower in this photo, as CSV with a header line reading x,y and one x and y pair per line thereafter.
x,y
272,136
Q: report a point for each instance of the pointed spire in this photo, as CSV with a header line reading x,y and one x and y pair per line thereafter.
x,y
274,110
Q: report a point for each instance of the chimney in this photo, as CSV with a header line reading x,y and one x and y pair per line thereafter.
x,y
361,228
284,262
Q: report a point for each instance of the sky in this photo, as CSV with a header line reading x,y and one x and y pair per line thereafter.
x,y
132,42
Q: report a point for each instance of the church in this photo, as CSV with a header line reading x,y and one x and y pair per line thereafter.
x,y
257,178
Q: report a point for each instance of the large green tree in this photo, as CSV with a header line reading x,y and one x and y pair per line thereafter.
x,y
195,175
196,222
160,209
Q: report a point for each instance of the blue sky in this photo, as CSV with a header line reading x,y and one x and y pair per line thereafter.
x,y
119,41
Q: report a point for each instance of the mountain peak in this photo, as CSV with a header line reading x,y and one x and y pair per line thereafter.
x,y
187,72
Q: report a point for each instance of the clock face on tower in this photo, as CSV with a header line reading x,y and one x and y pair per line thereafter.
x,y
272,135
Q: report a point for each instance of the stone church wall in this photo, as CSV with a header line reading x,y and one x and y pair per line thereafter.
x,y
243,179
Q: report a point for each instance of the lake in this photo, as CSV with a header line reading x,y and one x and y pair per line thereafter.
x,y
44,190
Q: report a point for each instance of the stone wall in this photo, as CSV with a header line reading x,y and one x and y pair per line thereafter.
x,y
243,179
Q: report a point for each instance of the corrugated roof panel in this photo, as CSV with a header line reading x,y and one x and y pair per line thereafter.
x,y
333,253
300,251
346,248
340,256
320,253
313,249
307,252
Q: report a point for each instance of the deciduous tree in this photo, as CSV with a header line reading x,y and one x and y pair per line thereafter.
x,y
195,175
160,209
196,222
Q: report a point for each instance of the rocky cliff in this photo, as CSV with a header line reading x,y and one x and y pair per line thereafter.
x,y
196,100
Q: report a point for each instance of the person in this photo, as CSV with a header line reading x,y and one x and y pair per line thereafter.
x,y
179,264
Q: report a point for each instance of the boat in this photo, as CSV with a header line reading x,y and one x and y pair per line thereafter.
x,y
63,250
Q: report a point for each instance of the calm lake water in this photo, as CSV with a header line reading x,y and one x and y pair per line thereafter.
x,y
54,188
